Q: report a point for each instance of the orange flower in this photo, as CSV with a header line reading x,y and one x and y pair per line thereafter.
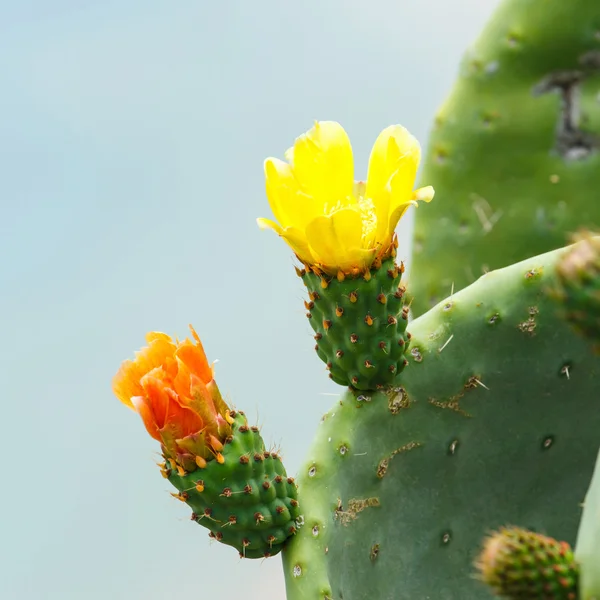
x,y
171,386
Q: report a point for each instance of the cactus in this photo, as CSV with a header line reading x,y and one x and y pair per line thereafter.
x,y
404,483
521,564
480,415
513,153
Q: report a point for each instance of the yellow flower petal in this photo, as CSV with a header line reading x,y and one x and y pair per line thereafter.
x,y
268,224
425,194
336,240
295,238
392,170
397,210
289,204
395,216
323,163
282,189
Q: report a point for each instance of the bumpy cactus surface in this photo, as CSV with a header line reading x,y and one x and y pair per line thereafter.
x,y
513,154
246,499
360,325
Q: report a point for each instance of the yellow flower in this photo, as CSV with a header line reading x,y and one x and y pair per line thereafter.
x,y
330,221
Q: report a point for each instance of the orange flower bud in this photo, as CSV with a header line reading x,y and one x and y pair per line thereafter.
x,y
171,386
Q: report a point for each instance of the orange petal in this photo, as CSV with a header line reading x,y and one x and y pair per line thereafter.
x,y
141,406
172,420
157,399
193,357
155,354
126,383
157,335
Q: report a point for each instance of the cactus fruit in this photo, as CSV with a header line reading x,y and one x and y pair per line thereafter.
x,y
218,463
515,168
578,287
360,325
494,421
522,565
245,499
587,550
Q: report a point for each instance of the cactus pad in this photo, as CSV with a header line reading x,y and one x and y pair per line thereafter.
x,y
514,152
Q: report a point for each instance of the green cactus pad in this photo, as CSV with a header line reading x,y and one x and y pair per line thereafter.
x,y
360,325
495,421
579,287
587,551
514,152
523,565
247,501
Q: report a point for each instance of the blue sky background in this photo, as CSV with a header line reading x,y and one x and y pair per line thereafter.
x,y
132,136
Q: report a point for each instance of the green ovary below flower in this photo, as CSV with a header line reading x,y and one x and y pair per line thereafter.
x,y
333,223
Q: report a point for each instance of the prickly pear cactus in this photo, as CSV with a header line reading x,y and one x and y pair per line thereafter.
x,y
513,154
494,421
480,414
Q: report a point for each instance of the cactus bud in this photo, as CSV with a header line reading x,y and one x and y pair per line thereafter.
x,y
579,286
523,565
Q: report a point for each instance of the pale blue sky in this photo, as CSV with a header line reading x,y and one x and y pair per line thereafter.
x,y
132,136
